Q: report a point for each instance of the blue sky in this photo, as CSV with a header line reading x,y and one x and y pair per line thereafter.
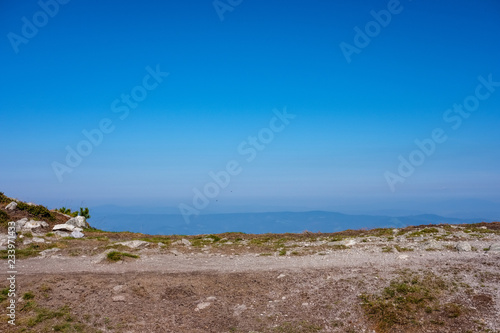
x,y
225,78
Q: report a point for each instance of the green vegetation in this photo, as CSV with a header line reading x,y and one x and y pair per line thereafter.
x,y
423,232
37,211
29,295
117,256
411,299
67,211
4,219
3,294
403,249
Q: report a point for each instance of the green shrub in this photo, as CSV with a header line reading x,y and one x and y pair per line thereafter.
x,y
36,210
116,256
85,212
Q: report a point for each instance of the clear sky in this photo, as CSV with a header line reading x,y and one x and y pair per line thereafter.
x,y
355,101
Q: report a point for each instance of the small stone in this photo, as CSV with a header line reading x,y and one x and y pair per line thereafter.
x,y
403,257
77,234
463,247
281,276
133,243
185,242
11,206
202,306
211,298
38,240
63,227
494,247
119,298
118,287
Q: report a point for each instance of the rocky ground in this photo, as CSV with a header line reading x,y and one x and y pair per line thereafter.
x,y
439,278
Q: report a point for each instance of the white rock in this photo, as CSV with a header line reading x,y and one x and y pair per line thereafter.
x,y
118,287
175,252
350,242
494,247
78,221
77,234
61,233
63,227
49,252
403,257
38,240
211,298
202,306
119,298
185,242
11,206
463,247
32,224
281,276
133,243
20,224
238,309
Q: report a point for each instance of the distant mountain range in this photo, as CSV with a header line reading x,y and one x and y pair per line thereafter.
x,y
274,222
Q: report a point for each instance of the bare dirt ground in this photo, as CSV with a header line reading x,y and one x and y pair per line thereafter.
x,y
419,279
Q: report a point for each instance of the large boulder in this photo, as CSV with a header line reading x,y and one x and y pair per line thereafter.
x,y
78,221
63,227
20,224
11,206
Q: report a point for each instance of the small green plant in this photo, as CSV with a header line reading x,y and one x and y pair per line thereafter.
x,y
403,249
4,218
282,252
117,256
29,295
84,212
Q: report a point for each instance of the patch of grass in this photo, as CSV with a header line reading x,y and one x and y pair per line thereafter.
x,y
282,252
265,254
410,300
214,238
387,249
379,232
31,250
423,232
117,256
37,211
403,249
4,219
28,295
50,234
3,294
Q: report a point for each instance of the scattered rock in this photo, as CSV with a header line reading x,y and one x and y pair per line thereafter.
x,y
77,234
61,233
185,242
494,247
211,298
202,306
63,227
239,309
133,243
38,240
349,242
20,224
281,276
118,287
11,206
49,252
119,298
403,257
78,221
175,252
463,247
